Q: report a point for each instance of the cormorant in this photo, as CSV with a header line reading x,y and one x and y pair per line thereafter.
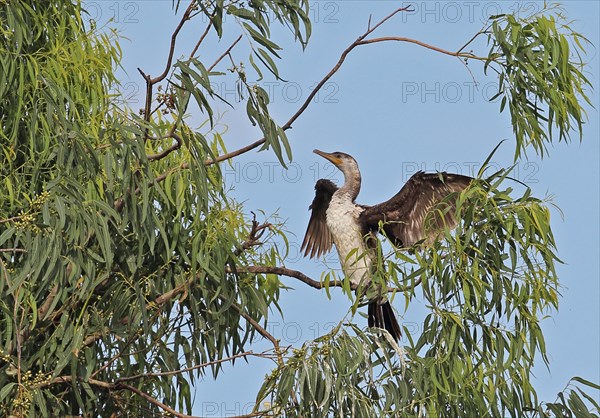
x,y
337,219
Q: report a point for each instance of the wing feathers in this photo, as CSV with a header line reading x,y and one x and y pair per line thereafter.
x,y
318,240
420,210
405,216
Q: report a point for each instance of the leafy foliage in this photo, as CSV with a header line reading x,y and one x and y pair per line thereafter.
x,y
127,271
539,60
486,285
118,255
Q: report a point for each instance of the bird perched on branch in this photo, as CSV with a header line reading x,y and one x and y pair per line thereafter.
x,y
337,219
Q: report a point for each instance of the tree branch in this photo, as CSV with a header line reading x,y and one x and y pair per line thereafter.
x,y
69,379
283,271
12,250
201,39
116,386
458,54
261,331
153,401
312,94
254,236
359,41
199,366
224,54
14,218
184,18
150,82
178,143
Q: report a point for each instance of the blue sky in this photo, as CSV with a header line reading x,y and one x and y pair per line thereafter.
x,y
396,108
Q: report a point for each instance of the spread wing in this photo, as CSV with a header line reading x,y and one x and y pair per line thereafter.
x,y
404,216
318,239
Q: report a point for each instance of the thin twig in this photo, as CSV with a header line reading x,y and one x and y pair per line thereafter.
x,y
256,232
312,94
115,357
13,250
199,366
14,218
184,18
201,39
224,54
150,82
261,331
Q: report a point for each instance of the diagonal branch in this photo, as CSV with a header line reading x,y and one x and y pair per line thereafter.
x,y
359,41
312,94
116,386
260,330
224,54
153,401
204,34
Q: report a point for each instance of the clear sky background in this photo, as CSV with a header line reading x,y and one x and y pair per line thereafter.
x,y
397,108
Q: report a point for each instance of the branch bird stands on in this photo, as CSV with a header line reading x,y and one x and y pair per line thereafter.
x,y
336,219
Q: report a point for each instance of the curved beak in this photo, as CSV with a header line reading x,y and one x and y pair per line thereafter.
x,y
328,156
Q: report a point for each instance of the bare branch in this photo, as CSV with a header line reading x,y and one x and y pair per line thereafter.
x,y
69,379
254,236
312,94
224,54
162,177
14,218
116,386
359,41
184,18
458,54
12,250
150,82
199,366
261,331
283,271
167,296
235,153
148,100
201,39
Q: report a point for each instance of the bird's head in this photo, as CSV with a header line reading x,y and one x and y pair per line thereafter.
x,y
344,162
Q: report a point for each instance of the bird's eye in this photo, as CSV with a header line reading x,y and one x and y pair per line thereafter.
x,y
338,155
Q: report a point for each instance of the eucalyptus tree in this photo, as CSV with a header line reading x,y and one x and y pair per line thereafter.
x,y
127,271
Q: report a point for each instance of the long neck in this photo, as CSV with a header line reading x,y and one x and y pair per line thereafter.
x,y
351,185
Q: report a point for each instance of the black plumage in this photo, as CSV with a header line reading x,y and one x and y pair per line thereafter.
x,y
318,240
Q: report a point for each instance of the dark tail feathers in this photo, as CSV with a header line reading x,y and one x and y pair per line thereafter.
x,y
381,315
